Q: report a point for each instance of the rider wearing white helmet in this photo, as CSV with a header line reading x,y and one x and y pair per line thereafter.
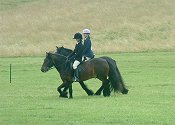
x,y
87,52
86,31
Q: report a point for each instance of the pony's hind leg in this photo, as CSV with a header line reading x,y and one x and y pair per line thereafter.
x,y
98,92
88,91
106,90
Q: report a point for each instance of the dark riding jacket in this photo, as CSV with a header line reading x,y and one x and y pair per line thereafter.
x,y
87,52
77,53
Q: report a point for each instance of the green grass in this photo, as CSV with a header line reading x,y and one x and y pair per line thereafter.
x,y
32,98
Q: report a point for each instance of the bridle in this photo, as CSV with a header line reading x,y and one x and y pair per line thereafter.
x,y
67,60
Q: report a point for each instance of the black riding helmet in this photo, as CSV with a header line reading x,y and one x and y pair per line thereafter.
x,y
78,36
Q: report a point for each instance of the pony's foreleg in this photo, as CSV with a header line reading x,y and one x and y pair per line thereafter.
x,y
70,90
88,91
65,89
62,93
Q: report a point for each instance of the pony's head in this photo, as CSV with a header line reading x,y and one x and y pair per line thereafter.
x,y
48,63
63,51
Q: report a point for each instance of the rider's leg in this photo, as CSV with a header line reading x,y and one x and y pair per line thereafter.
x,y
75,64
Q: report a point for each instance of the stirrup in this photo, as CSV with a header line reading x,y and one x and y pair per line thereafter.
x,y
75,79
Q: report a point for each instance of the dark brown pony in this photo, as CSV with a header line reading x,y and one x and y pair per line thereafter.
x,y
95,68
117,78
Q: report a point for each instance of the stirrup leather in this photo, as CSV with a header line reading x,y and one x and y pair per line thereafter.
x,y
76,75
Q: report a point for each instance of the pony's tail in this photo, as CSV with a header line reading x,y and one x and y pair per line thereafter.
x,y
115,78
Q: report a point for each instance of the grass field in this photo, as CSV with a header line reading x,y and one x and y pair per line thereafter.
x,y
139,33
32,99
31,27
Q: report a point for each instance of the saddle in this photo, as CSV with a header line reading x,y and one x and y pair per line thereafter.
x,y
79,68
83,61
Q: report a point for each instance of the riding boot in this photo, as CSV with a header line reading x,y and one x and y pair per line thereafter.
x,y
76,77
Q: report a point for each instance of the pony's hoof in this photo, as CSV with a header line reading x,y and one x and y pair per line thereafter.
x,y
106,94
125,91
90,93
64,96
70,97
97,93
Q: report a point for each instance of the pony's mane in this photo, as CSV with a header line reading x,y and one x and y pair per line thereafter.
x,y
64,48
67,49
55,53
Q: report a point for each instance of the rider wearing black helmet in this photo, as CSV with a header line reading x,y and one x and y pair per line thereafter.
x,y
76,55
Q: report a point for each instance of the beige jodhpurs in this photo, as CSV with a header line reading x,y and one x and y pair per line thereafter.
x,y
75,64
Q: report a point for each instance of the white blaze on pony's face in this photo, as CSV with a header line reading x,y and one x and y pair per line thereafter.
x,y
47,64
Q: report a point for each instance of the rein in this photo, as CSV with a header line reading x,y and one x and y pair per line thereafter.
x,y
62,63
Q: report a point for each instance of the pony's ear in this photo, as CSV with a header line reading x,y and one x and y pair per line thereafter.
x,y
62,47
57,47
46,53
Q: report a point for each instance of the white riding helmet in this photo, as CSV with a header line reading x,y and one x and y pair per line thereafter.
x,y
86,31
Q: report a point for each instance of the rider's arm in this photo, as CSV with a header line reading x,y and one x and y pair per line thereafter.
x,y
87,45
